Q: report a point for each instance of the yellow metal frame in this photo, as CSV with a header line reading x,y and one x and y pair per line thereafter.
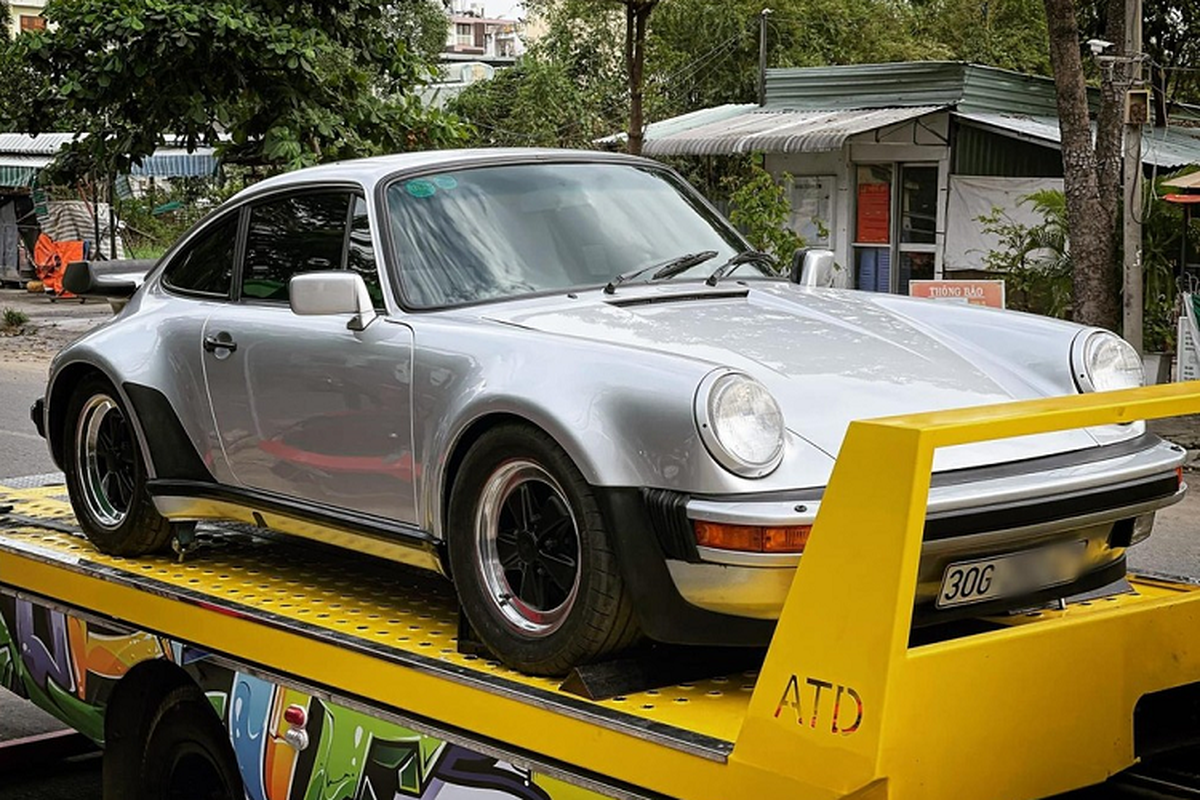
x,y
842,706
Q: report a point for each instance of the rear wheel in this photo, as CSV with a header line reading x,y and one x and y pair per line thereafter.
x,y
106,476
186,755
531,556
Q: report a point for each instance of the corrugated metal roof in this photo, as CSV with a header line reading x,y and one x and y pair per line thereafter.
x,y
683,122
29,151
1162,147
911,83
769,130
43,144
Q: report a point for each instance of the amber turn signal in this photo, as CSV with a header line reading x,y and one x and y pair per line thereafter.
x,y
752,538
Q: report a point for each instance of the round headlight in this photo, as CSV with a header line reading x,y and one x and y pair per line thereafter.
x,y
1104,361
740,423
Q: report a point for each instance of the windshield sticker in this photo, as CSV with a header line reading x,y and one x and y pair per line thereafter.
x,y
420,187
444,182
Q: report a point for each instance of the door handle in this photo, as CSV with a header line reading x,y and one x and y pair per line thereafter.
x,y
221,341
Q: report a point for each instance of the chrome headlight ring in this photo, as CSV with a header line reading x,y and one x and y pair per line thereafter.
x,y
740,423
1101,361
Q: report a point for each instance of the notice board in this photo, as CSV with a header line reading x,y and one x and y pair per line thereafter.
x,y
874,213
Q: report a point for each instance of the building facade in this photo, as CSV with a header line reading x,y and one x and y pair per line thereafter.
x,y
891,165
24,15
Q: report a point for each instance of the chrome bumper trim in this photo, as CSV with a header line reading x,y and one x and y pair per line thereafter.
x,y
1162,458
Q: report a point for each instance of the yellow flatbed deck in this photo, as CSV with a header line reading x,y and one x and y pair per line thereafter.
x,y
842,705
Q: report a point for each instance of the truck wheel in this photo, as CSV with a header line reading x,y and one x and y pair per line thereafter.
x,y
531,556
106,477
187,755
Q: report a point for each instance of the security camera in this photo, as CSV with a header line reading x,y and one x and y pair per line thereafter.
x,y
1099,46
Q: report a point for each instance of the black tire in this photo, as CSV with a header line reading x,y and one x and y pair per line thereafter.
x,y
186,755
512,576
108,489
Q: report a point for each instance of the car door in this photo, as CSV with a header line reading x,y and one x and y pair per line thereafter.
x,y
307,409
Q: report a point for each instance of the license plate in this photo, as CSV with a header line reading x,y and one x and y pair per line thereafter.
x,y
966,582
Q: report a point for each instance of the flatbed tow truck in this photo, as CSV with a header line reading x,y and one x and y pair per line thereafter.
x,y
286,670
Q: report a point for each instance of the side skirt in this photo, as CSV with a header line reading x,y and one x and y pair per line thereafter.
x,y
194,500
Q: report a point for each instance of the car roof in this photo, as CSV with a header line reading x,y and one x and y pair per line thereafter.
x,y
368,171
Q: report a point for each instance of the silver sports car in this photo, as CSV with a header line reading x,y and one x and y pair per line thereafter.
x,y
566,382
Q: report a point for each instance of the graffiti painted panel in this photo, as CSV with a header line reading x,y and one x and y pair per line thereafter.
x,y
69,667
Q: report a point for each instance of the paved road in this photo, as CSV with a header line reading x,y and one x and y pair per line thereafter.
x,y
1174,548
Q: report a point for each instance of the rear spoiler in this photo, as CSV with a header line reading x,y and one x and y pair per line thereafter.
x,y
114,280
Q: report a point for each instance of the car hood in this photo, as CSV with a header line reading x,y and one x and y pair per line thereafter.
x,y
831,357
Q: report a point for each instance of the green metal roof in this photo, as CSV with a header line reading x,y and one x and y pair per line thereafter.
x,y
969,87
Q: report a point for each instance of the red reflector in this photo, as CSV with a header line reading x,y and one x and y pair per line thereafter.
x,y
295,715
1179,475
752,538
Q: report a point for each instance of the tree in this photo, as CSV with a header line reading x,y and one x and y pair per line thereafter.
x,y
637,12
282,83
1010,34
1091,173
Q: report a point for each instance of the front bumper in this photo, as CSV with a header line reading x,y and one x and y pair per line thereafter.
x,y
1108,503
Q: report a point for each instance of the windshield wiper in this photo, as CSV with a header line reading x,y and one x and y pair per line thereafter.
x,y
665,269
744,257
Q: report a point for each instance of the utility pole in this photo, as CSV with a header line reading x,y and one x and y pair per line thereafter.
x,y
1132,232
762,56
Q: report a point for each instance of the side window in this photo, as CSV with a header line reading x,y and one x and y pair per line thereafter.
x,y
360,255
291,235
205,266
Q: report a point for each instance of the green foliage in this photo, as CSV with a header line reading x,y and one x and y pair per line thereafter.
x,y
1010,34
566,91
289,83
700,54
1037,268
1034,260
532,104
759,207
14,319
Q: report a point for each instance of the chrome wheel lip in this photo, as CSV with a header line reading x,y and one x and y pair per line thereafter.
x,y
516,613
92,467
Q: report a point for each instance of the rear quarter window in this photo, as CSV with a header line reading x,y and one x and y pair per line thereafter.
x,y
205,266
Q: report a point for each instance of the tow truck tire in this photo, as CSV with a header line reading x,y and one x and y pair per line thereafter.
x,y
531,557
106,475
187,755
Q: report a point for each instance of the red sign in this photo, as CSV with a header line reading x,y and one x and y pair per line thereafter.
x,y
874,213
32,23
978,293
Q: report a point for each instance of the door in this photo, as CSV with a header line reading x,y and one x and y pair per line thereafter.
x,y
306,408
895,238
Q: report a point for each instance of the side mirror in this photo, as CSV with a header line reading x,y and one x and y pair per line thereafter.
x,y
817,268
326,293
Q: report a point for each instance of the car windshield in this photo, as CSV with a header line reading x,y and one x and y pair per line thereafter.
x,y
488,233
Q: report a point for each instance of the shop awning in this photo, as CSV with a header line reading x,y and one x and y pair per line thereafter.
x,y
727,130
1162,147
1189,181
20,170
172,162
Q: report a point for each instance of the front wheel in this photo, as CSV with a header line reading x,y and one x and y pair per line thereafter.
x,y
531,556
106,476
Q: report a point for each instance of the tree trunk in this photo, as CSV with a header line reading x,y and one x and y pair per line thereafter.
x,y
1158,84
636,14
1092,222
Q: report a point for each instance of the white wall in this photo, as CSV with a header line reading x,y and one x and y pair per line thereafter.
x,y
972,197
